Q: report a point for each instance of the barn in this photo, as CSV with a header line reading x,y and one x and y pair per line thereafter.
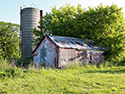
x,y
58,51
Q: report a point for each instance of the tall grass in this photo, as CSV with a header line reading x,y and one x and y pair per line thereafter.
x,y
18,67
88,79
77,65
3,65
9,68
6,69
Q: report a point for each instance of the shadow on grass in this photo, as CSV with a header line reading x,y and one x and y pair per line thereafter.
x,y
111,70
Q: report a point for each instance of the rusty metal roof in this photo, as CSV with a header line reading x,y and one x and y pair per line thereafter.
x,y
75,43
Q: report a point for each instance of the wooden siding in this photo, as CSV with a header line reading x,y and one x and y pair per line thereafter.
x,y
71,56
51,57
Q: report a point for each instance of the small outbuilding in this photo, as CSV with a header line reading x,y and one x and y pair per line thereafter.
x,y
58,51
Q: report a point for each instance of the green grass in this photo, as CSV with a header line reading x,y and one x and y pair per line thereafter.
x,y
73,80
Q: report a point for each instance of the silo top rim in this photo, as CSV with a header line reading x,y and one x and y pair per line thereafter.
x,y
30,8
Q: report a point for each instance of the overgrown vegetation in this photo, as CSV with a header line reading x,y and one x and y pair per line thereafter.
x,y
89,79
105,25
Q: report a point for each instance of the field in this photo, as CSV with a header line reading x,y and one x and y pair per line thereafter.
x,y
73,80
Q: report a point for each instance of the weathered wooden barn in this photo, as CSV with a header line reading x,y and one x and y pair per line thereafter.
x,y
58,51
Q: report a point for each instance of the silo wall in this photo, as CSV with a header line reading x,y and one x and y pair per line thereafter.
x,y
29,20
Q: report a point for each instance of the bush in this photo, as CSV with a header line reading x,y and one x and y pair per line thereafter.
x,y
8,68
3,65
23,62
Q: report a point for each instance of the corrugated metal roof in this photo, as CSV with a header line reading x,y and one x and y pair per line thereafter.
x,y
75,43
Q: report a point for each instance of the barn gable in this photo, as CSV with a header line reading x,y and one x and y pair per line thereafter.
x,y
45,52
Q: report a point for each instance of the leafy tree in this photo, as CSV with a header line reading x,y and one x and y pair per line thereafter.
x,y
106,26
9,40
59,22
103,24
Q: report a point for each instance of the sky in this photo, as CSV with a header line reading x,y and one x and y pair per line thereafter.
x,y
10,9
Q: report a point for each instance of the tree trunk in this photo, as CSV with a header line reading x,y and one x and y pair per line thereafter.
x,y
4,49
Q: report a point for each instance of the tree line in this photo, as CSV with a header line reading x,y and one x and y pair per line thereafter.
x,y
104,24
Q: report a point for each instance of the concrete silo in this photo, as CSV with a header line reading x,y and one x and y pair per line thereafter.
x,y
29,20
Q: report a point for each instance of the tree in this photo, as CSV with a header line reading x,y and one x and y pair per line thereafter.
x,y
59,22
105,25
9,40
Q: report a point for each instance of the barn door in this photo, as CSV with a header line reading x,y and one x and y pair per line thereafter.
x,y
43,54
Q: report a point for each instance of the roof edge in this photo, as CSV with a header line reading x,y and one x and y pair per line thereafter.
x,y
41,41
52,41
38,45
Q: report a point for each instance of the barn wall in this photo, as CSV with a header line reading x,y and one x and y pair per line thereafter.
x,y
51,58
95,56
71,55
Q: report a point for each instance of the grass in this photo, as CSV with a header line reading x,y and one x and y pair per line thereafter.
x,y
72,80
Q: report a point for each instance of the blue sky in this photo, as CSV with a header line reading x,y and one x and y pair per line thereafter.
x,y
10,9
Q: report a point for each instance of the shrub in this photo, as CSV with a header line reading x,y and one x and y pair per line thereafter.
x,y
6,69
9,69
23,62
3,65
